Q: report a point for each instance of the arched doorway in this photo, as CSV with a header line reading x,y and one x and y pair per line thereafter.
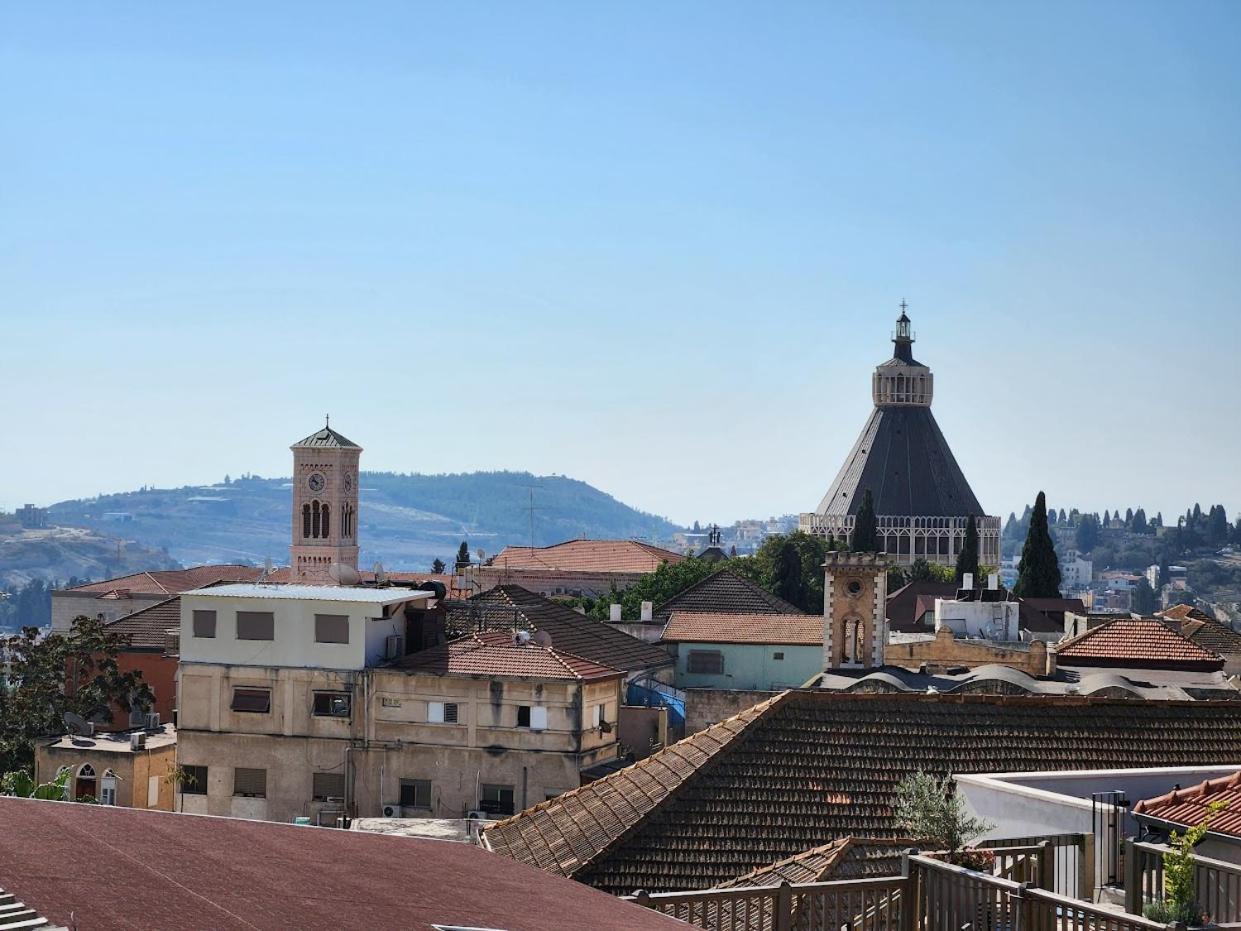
x,y
86,783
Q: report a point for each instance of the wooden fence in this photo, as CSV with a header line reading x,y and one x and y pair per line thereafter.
x,y
1218,883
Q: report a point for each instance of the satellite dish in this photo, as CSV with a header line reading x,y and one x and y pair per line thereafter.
x,y
341,574
521,637
543,639
482,557
77,725
380,576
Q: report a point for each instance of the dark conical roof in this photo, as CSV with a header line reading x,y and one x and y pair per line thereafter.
x,y
904,460
326,438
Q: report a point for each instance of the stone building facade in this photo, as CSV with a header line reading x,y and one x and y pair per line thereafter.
x,y
325,505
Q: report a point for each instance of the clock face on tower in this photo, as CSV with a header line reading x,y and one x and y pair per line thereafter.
x,y
348,480
316,482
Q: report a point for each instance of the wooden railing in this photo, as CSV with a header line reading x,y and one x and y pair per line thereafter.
x,y
1218,883
1071,871
930,895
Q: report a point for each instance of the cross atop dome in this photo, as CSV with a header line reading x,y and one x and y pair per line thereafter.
x,y
903,337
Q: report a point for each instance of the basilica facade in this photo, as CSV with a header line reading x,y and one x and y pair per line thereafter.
x,y
923,504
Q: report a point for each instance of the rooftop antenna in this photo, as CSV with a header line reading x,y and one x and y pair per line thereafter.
x,y
266,574
531,509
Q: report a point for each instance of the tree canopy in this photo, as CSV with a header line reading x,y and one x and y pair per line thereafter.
x,y
967,559
1038,573
865,527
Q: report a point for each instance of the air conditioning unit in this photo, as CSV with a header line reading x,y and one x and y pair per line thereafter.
x,y
394,647
152,721
137,741
392,811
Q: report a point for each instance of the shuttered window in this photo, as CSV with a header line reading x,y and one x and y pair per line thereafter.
x,y
331,628
204,624
255,701
251,783
256,625
709,662
439,712
415,793
496,799
328,785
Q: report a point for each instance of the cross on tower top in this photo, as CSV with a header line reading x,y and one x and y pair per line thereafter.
x,y
904,306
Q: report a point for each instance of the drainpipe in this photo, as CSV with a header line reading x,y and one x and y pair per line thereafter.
x,y
525,779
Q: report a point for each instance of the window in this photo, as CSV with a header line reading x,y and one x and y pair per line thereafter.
x,y
250,783
538,718
326,522
254,701
256,625
107,789
708,662
153,791
439,712
332,704
306,521
523,715
204,623
415,793
331,628
599,717
314,519
194,780
496,799
777,655
328,786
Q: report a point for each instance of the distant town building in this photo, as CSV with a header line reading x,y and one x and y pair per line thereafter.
x,y
1076,572
921,498
133,768
31,517
573,568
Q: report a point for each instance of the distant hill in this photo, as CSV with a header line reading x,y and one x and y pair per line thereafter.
x,y
405,521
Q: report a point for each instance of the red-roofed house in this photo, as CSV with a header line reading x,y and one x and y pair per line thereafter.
x,y
575,567
1136,643
1181,809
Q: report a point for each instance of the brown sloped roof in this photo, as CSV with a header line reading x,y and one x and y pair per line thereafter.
x,y
725,592
172,581
587,556
1191,805
1208,634
511,607
146,628
806,768
695,627
493,653
846,858
1136,642
908,603
1183,612
228,874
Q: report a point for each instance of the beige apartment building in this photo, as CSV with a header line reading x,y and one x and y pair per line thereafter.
x,y
300,701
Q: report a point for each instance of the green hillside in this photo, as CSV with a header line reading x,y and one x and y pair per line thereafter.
x,y
405,521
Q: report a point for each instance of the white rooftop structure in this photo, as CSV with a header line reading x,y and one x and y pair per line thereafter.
x,y
339,593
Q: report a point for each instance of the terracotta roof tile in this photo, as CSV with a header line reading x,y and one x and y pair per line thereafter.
x,y
146,629
1183,612
587,556
806,768
1136,642
1208,634
793,629
511,607
172,581
846,858
1188,807
493,653
725,592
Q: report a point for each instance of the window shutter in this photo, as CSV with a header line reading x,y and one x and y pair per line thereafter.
x,y
328,785
538,718
450,714
256,625
331,628
250,782
204,624
435,712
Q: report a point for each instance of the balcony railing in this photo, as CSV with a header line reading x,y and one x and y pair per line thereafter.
x,y
930,895
1218,883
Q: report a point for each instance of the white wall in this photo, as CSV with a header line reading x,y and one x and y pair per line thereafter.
x,y
294,643
994,620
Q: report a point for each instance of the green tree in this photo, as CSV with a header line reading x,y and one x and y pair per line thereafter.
x,y
865,527
48,676
1144,601
1139,521
787,576
1087,534
930,809
438,567
967,559
1038,573
463,555
19,783
923,571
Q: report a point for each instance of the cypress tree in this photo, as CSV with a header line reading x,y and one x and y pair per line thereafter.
x,y
967,559
787,578
463,555
1038,573
865,527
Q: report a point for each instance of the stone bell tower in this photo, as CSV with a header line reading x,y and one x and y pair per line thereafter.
x,y
855,600
325,504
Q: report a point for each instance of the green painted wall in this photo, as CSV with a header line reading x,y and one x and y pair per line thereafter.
x,y
750,666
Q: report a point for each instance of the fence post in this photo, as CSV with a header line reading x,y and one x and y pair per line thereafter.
x,y
1024,908
1085,868
784,907
909,892
1046,875
1133,878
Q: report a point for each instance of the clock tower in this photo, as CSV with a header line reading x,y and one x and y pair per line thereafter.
x,y
325,504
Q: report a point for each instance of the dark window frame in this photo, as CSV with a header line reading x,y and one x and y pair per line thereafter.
x,y
253,693
201,621
498,805
324,624
259,787
696,662
523,711
323,705
417,788
256,617
320,792
193,780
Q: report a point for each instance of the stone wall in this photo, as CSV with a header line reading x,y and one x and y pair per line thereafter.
x,y
945,650
704,707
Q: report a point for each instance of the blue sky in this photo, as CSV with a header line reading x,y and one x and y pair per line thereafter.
x,y
657,247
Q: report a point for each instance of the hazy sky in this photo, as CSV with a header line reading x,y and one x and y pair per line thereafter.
x,y
658,247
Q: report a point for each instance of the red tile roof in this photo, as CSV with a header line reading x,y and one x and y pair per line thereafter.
x,y
791,629
146,628
1188,807
105,867
847,858
725,592
1136,642
1183,612
630,556
494,653
172,581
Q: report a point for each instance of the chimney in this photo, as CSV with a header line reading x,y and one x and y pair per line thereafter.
x,y
648,611
967,582
993,581
614,613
